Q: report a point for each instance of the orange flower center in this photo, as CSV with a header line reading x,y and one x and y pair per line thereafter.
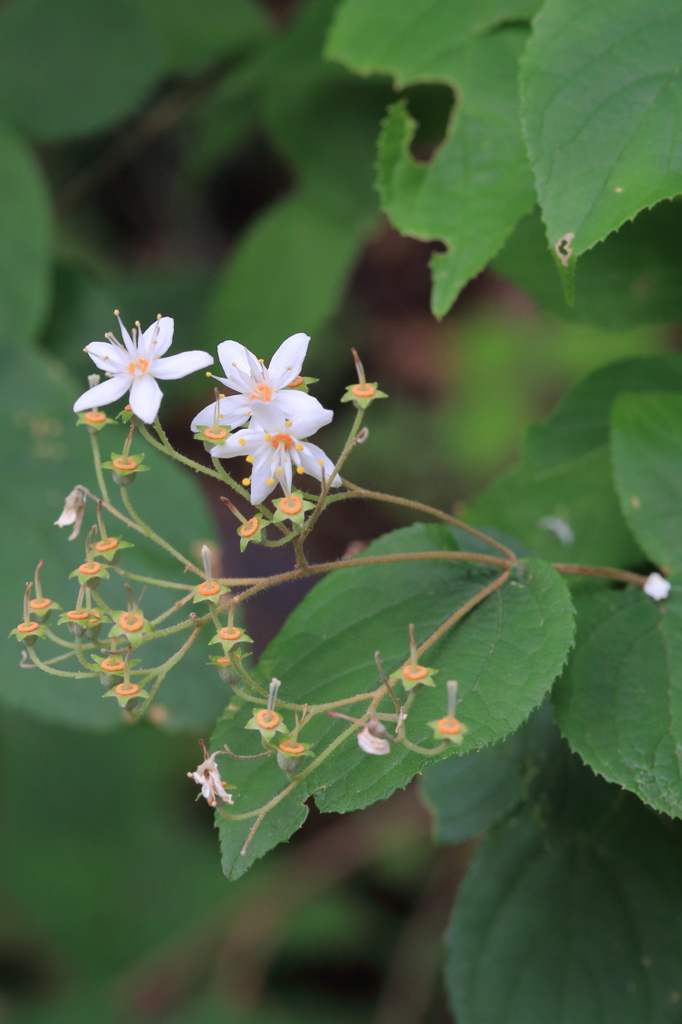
x,y
95,417
449,726
209,589
230,633
222,661
125,463
39,604
248,529
131,623
291,506
89,568
363,390
268,719
283,439
139,364
27,627
262,393
296,383
106,545
289,747
127,689
112,665
418,672
215,434
78,616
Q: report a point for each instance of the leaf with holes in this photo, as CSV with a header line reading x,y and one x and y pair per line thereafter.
x,y
505,655
600,87
478,183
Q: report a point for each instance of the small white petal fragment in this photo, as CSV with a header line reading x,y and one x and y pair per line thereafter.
x,y
656,587
73,511
559,527
372,744
212,787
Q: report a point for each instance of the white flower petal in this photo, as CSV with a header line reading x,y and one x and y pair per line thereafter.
x,y
157,339
311,456
306,417
287,361
231,354
127,340
252,440
233,411
180,365
108,357
145,398
261,473
269,416
104,393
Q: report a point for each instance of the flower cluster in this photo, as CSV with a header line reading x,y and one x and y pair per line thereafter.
x,y
271,403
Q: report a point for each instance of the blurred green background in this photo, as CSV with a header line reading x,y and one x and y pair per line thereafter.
x,y
203,160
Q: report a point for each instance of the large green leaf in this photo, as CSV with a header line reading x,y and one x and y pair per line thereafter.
x,y
191,35
647,462
600,103
478,184
538,505
44,457
505,655
571,912
619,702
287,275
24,242
565,471
69,67
579,425
630,278
470,793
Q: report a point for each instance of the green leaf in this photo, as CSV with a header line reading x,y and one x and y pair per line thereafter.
x,y
571,912
505,655
25,230
288,274
647,462
618,703
630,278
44,456
599,86
477,185
566,474
322,118
70,67
192,35
579,425
567,512
470,793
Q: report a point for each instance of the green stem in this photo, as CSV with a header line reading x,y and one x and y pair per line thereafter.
x,y
55,671
152,580
148,532
164,669
347,448
97,459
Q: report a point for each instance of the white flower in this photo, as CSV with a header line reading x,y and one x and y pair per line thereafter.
x,y
212,786
134,366
656,587
257,385
274,443
372,744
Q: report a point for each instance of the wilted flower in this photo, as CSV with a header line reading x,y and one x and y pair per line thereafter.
x,y
134,366
656,586
373,738
213,789
258,385
73,511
